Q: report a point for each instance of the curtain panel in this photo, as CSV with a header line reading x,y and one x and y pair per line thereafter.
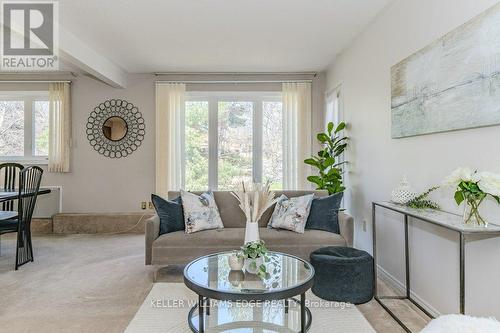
x,y
297,131
170,98
59,127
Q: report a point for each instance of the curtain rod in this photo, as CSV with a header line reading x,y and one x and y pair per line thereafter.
x,y
236,73
35,81
233,82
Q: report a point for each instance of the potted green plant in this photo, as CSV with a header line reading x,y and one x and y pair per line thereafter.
x,y
327,161
255,254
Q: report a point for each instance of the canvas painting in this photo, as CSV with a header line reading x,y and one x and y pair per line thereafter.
x,y
453,83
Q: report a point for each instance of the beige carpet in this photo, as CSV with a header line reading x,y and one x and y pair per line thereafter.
x,y
166,308
78,283
96,284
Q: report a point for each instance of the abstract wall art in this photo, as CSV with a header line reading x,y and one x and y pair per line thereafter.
x,y
452,84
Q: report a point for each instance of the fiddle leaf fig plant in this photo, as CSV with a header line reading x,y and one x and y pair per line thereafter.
x,y
328,160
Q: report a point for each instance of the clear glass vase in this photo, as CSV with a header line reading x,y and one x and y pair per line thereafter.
x,y
472,213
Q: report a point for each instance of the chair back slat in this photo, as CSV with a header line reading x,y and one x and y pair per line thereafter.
x,y
11,179
29,184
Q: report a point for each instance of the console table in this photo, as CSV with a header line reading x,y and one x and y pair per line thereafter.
x,y
443,219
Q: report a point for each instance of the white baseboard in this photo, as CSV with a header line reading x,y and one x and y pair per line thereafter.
x,y
401,289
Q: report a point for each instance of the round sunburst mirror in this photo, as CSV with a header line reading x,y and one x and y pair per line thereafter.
x,y
115,128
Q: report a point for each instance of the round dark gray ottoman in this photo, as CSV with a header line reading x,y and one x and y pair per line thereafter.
x,y
343,274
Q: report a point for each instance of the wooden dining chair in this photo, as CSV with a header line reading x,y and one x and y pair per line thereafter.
x,y
29,184
10,172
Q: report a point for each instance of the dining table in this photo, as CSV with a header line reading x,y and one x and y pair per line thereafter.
x,y
6,195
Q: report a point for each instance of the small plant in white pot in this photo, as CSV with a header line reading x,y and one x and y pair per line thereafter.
x,y
255,254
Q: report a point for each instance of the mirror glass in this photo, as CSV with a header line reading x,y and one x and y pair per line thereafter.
x,y
114,128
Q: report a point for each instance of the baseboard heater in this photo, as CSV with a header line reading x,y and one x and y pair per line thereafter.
x,y
48,205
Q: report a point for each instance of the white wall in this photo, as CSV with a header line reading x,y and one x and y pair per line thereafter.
x,y
97,184
378,162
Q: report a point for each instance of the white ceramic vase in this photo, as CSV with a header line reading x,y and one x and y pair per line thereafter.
x,y
235,262
251,232
403,193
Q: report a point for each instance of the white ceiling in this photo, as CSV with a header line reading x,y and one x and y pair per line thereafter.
x,y
218,35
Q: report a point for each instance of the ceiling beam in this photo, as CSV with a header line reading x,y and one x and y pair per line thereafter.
x,y
74,51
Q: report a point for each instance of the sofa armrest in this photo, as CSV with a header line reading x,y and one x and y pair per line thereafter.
x,y
152,232
346,225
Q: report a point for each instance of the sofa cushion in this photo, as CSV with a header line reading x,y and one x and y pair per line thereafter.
x,y
279,238
204,239
180,248
324,213
170,214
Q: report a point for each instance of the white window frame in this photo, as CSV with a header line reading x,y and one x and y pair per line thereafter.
x,y
334,108
29,97
334,111
213,98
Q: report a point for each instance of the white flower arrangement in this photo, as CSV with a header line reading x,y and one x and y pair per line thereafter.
x,y
460,174
473,187
489,182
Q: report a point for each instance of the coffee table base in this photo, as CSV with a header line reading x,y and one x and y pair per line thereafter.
x,y
302,321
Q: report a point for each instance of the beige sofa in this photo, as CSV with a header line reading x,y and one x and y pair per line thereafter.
x,y
178,248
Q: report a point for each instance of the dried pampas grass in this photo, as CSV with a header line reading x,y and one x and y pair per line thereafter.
x,y
254,200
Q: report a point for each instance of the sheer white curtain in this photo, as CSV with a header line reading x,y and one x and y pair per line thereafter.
x,y
170,99
296,134
59,126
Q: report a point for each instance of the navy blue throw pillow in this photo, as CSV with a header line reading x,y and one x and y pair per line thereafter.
x,y
324,213
170,214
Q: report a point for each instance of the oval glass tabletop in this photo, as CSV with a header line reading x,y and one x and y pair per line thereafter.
x,y
284,272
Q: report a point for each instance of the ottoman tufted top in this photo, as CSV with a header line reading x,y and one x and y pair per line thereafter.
x,y
340,254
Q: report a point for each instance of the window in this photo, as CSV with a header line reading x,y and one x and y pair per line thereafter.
x,y
235,146
272,147
24,126
196,145
333,107
232,137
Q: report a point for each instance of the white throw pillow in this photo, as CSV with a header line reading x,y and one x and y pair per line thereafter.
x,y
291,214
200,212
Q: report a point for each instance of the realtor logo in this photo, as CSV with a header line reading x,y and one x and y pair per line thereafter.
x,y
29,36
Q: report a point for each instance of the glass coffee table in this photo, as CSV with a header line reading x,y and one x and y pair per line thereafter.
x,y
238,301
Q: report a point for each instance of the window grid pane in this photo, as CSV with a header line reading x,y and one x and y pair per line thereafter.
x,y
41,128
272,150
12,128
235,147
196,145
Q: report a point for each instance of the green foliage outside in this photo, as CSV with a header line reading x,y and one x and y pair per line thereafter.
x,y
196,145
235,144
42,143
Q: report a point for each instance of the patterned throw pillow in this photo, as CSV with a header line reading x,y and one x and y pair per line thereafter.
x,y
200,212
291,214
